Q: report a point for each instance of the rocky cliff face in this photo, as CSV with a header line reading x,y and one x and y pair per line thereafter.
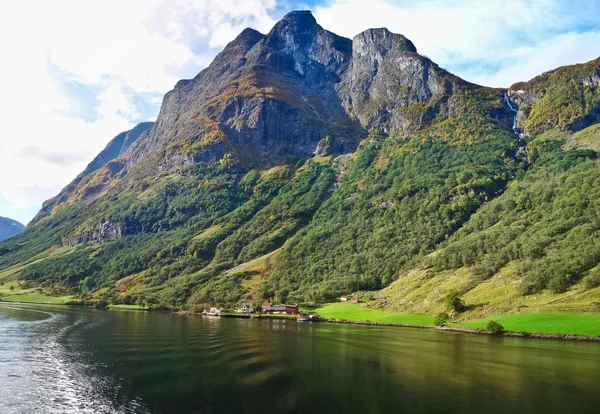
x,y
106,230
566,98
272,98
391,87
263,100
10,228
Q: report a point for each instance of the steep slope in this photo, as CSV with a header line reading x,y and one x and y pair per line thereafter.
x,y
301,165
10,228
98,172
565,98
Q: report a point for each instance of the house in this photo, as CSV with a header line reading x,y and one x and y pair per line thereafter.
x,y
246,308
277,309
292,309
280,309
344,299
354,299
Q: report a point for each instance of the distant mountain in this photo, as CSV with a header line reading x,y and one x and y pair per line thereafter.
x,y
301,165
10,228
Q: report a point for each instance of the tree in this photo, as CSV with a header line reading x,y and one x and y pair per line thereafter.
x,y
140,301
441,319
12,288
454,301
87,284
495,328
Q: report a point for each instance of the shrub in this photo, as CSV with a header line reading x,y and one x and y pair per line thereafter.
x,y
102,304
454,301
592,280
495,328
441,319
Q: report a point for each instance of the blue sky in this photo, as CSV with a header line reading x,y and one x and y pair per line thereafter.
x,y
76,73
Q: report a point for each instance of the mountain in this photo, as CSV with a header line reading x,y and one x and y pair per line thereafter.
x,y
301,165
10,228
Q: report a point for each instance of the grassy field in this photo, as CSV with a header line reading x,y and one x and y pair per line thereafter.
x,y
122,306
550,323
17,294
34,297
555,323
359,312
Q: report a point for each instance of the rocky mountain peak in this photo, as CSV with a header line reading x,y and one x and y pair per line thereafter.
x,y
381,41
302,19
298,34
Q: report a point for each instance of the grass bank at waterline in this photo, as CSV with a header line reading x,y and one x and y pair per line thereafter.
x,y
544,325
547,323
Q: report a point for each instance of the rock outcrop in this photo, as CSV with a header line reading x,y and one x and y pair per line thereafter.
x,y
566,98
104,231
391,87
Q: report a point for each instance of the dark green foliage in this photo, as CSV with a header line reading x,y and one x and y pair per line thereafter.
x,y
441,319
454,301
592,280
253,215
495,328
548,221
399,201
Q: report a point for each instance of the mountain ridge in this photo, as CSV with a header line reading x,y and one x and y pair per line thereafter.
x,y
10,228
353,159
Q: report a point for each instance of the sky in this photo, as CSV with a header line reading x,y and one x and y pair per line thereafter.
x,y
76,73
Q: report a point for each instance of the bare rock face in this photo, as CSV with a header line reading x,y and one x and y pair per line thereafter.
x,y
391,87
104,231
267,98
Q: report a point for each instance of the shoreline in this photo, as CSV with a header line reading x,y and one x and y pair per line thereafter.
x,y
509,334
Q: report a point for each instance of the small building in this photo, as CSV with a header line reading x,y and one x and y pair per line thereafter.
x,y
292,309
246,308
354,299
280,309
344,298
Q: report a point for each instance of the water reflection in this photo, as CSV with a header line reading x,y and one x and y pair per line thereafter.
x,y
95,361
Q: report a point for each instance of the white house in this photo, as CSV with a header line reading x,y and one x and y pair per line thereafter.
x,y
246,308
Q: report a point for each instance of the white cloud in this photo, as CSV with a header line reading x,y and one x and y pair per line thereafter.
x,y
495,43
125,51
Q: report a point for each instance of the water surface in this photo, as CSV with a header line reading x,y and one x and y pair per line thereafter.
x,y
64,360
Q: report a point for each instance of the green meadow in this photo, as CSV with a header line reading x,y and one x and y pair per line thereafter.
x,y
550,323
18,294
359,312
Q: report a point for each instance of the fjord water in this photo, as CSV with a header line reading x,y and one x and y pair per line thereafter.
x,y
59,360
